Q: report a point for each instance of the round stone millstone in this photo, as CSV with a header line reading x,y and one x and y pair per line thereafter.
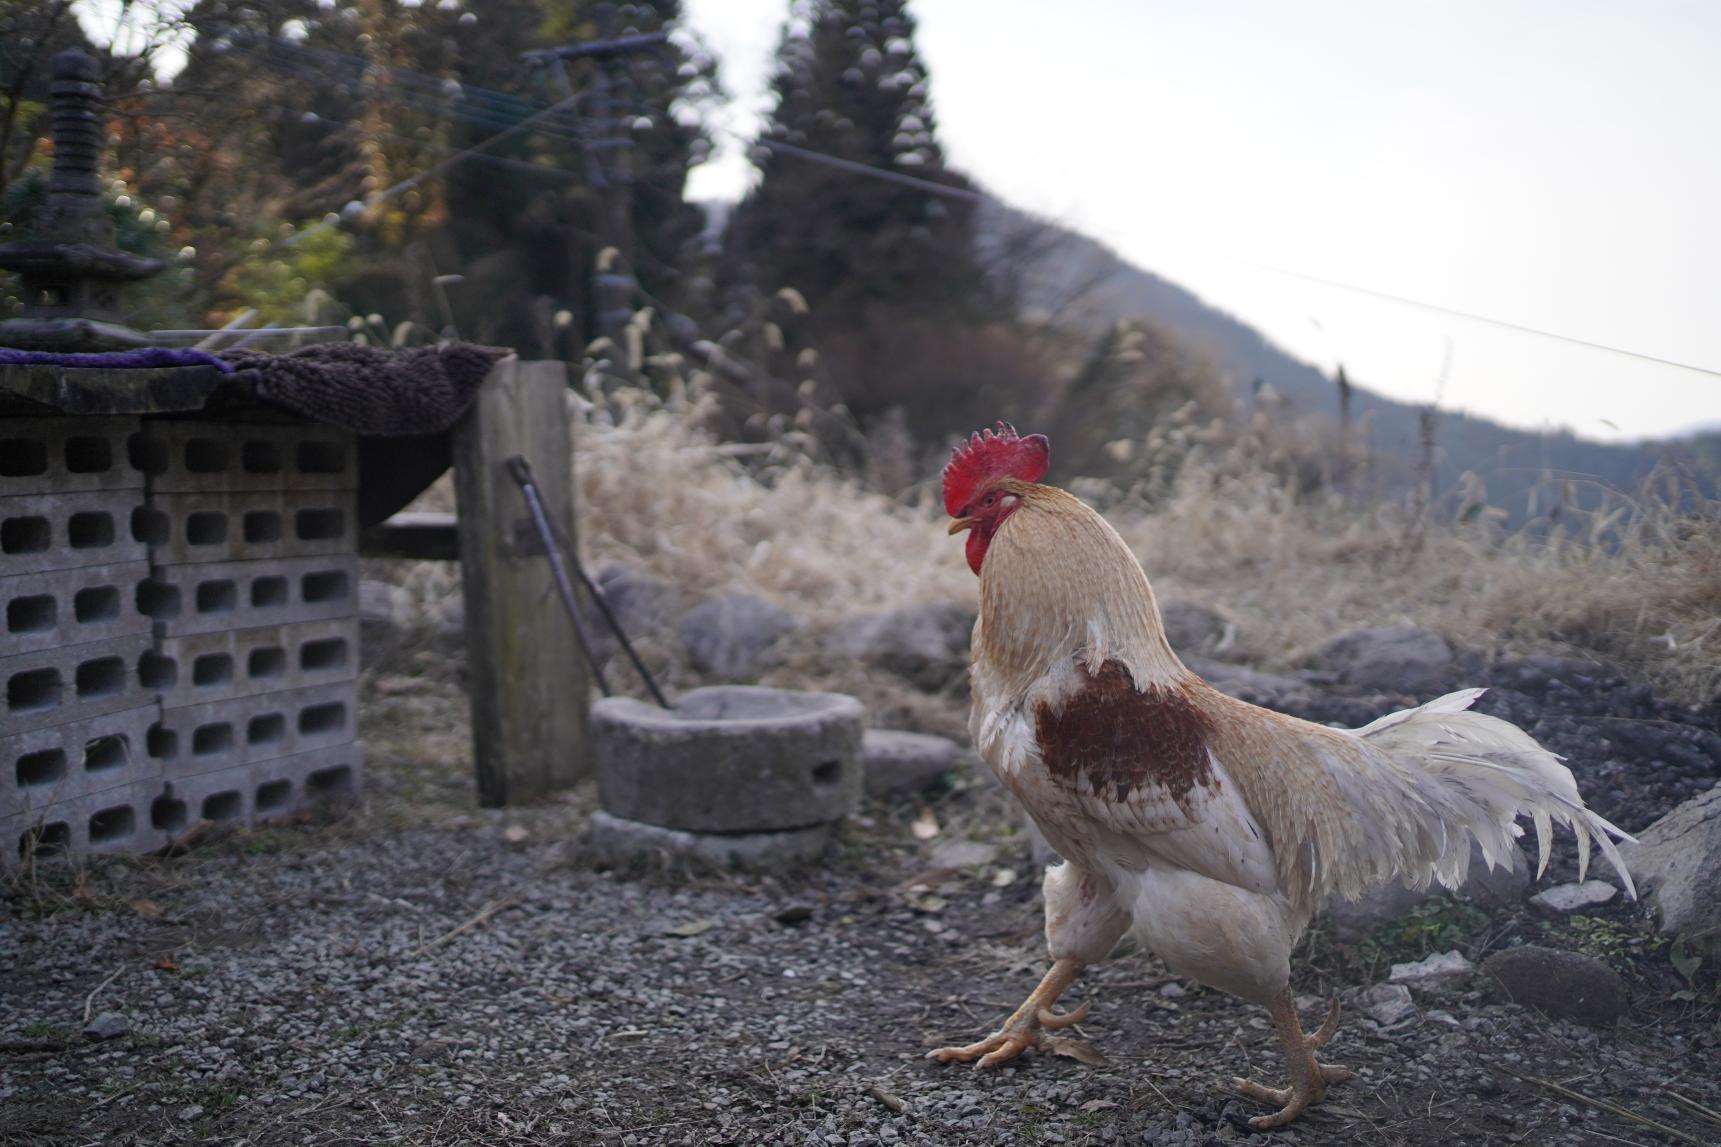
x,y
730,758
621,841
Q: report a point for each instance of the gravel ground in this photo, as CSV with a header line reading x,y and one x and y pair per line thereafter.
x,y
418,972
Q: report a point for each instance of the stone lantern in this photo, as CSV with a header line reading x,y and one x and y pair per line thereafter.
x,y
71,272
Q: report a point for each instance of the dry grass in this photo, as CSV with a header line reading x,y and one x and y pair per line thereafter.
x,y
1222,519
1637,583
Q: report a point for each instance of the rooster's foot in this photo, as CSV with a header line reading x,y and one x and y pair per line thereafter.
x,y
1291,1101
1021,1032
1309,1077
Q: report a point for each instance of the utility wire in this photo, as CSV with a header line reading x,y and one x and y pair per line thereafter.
x,y
1473,317
415,180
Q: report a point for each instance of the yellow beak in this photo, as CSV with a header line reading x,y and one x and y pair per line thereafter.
x,y
961,524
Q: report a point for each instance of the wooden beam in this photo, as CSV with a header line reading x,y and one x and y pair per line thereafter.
x,y
529,684
424,536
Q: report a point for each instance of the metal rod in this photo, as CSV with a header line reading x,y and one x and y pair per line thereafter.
x,y
522,473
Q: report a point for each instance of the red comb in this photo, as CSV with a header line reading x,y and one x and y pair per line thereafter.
x,y
992,454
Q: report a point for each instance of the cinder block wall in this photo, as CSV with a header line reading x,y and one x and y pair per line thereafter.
x,y
180,633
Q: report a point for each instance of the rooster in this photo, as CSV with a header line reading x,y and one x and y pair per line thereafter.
x,y
1208,828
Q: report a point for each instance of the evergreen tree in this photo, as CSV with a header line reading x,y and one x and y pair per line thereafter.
x,y
850,84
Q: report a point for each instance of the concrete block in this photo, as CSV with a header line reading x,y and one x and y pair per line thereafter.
x,y
730,758
77,759
71,607
264,790
205,667
112,820
72,682
237,525
40,532
215,735
186,456
62,455
208,597
619,842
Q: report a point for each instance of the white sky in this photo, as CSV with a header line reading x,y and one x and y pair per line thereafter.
x,y
1552,163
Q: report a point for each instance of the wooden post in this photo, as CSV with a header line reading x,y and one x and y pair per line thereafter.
x,y
530,688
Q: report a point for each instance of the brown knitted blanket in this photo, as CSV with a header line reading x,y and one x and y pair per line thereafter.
x,y
371,391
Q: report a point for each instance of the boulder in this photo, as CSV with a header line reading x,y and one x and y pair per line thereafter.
x,y
1391,659
1676,862
1566,898
926,645
1563,985
1195,629
730,635
1352,920
1273,690
643,606
899,763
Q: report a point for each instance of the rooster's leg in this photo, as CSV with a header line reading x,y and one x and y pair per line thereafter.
x,y
1023,1029
1309,1077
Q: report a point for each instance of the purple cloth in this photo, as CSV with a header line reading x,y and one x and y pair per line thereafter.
x,y
142,357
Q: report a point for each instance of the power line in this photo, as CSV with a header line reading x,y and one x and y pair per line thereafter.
x,y
1473,317
865,169
415,180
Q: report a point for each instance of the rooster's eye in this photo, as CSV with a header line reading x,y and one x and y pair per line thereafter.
x,y
990,498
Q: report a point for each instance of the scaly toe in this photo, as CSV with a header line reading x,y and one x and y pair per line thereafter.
x,y
1009,1048
1333,1073
973,1051
1249,1089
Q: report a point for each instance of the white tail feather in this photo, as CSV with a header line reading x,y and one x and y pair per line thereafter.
x,y
1478,774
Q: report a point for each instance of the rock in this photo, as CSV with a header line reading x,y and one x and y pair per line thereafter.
x,y
620,841
899,763
729,758
925,644
1385,1004
1352,920
1039,848
1271,689
1564,898
108,1025
963,854
1564,985
1391,659
1436,970
730,635
1195,629
383,605
1678,861
643,606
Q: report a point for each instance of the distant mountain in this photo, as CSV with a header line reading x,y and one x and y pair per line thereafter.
x,y
1079,281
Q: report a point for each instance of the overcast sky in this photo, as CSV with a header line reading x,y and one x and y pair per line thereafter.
x,y
1552,164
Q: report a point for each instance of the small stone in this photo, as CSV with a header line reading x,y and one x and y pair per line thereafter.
x,y
1564,898
1173,990
905,763
793,914
1385,1004
1443,967
108,1025
190,1112
963,854
1564,985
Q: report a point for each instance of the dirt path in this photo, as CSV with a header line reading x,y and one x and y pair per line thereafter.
x,y
418,973
296,987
